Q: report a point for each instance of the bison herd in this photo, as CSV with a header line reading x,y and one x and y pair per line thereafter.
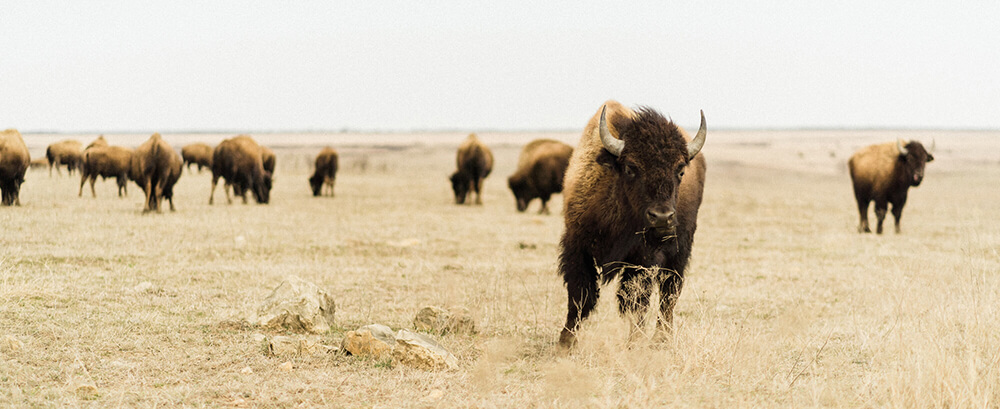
x,y
632,188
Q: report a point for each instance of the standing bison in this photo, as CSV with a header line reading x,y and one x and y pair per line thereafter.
x,y
884,173
105,161
67,153
540,171
197,153
475,162
14,160
239,160
326,171
155,167
633,189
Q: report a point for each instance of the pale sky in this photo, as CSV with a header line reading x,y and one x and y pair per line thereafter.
x,y
106,66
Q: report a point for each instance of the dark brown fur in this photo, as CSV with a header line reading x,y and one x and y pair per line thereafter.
x,y
67,153
540,171
14,160
199,154
608,228
326,171
239,160
106,162
475,162
268,159
155,167
881,174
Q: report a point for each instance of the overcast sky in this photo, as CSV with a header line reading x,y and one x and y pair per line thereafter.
x,y
501,65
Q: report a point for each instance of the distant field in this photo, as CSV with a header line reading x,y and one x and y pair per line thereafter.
x,y
785,305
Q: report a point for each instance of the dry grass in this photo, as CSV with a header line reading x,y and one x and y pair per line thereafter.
x,y
784,306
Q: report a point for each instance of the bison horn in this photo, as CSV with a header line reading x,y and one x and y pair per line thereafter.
x,y
612,144
699,140
902,149
933,144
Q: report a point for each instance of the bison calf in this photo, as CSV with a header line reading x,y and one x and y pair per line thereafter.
x,y
475,162
14,160
633,188
883,174
326,171
540,171
199,154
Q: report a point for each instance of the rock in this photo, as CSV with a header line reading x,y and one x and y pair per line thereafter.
x,y
434,395
297,305
371,340
442,321
79,381
286,366
422,352
246,370
144,287
11,344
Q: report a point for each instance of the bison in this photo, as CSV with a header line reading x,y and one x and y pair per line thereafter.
x,y
99,141
884,173
155,167
67,153
106,162
475,162
326,171
540,171
197,153
14,160
239,160
268,159
633,188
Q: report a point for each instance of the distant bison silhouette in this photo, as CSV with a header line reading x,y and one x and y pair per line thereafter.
x,y
105,161
14,160
475,162
326,171
884,173
239,161
68,152
197,153
540,171
155,167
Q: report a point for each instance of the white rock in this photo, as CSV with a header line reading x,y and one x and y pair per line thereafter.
x,y
374,340
421,351
297,305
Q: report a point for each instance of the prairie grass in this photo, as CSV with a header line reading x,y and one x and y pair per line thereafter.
x,y
784,305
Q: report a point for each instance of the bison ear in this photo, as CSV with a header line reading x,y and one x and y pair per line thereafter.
x,y
607,159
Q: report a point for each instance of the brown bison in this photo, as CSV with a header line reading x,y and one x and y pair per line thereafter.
x,y
884,173
106,162
540,171
475,162
14,160
267,157
197,153
100,141
67,153
633,189
239,160
326,171
155,167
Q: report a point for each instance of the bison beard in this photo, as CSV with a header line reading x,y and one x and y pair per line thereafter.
x,y
631,208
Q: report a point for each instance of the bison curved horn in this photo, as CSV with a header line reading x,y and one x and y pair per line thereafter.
x,y
933,144
611,143
902,149
699,140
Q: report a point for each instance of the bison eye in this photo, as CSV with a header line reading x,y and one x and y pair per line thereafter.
x,y
630,171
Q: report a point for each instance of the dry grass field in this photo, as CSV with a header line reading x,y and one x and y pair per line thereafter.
x,y
784,305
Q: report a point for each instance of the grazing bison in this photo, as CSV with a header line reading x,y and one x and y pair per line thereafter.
x,y
475,162
884,173
267,157
326,171
14,160
239,160
540,171
106,162
67,153
155,167
633,189
197,153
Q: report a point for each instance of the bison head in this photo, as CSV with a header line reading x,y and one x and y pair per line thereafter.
x,y
460,183
913,157
648,160
523,193
316,182
262,188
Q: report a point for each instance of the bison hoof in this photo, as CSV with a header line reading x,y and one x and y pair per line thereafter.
x,y
567,339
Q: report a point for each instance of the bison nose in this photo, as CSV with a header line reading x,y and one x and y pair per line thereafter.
x,y
660,219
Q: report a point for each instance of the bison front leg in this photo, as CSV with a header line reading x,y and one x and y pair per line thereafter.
x,y
211,195
880,210
580,275
83,181
477,185
863,211
93,179
670,289
633,298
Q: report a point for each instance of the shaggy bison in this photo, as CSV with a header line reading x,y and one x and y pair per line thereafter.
x,y
105,161
633,189
67,153
540,171
14,160
155,167
475,162
268,159
197,153
239,160
326,171
884,173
